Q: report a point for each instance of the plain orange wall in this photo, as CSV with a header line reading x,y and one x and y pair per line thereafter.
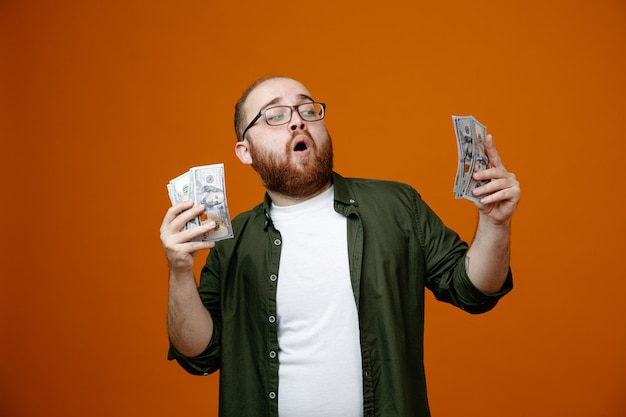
x,y
104,102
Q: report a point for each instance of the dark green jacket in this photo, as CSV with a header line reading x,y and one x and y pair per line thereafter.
x,y
397,247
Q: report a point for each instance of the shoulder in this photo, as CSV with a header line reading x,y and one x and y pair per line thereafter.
x,y
366,189
253,219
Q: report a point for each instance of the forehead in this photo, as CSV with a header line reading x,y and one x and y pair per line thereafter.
x,y
275,91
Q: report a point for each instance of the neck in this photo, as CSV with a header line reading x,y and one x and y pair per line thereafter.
x,y
286,200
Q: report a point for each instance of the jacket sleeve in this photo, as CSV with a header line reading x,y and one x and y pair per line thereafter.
x,y
209,360
204,364
444,256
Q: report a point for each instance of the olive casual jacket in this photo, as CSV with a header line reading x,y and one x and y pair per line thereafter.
x,y
397,247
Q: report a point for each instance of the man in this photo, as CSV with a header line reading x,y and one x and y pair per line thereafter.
x,y
316,306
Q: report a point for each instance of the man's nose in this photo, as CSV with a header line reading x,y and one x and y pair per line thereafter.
x,y
296,121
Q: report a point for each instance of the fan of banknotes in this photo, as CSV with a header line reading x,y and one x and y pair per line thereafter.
x,y
204,185
470,140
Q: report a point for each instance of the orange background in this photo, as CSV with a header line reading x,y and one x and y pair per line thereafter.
x,y
104,102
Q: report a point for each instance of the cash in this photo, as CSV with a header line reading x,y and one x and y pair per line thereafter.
x,y
470,140
204,185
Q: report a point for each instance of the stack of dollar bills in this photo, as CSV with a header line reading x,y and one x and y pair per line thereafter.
x,y
204,185
470,140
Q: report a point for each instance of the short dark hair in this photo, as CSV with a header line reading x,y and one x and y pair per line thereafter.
x,y
240,123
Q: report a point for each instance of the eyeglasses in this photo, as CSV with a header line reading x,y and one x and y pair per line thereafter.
x,y
280,115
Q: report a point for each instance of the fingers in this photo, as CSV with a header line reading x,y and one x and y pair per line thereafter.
x,y
497,169
177,217
499,179
493,174
502,185
499,190
173,214
186,237
492,153
178,243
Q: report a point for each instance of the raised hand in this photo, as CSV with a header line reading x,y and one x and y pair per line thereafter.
x,y
179,249
503,189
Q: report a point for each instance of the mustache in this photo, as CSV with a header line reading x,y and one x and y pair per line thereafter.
x,y
300,132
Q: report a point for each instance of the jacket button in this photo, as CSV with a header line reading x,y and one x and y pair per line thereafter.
x,y
271,319
273,277
277,242
272,395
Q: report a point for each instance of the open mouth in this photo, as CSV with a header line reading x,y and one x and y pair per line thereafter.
x,y
300,146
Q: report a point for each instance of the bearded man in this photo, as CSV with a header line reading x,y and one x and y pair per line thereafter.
x,y
316,306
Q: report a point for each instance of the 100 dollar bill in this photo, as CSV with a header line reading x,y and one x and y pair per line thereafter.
x,y
204,185
472,155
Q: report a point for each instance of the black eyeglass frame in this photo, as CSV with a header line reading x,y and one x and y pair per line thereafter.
x,y
292,108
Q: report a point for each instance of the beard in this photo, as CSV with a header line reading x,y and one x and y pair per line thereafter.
x,y
299,178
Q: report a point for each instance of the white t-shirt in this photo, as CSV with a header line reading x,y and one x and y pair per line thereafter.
x,y
320,371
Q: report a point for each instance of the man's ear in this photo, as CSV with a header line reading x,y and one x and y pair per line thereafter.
x,y
242,151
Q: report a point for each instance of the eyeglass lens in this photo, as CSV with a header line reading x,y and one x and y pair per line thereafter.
x,y
282,114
